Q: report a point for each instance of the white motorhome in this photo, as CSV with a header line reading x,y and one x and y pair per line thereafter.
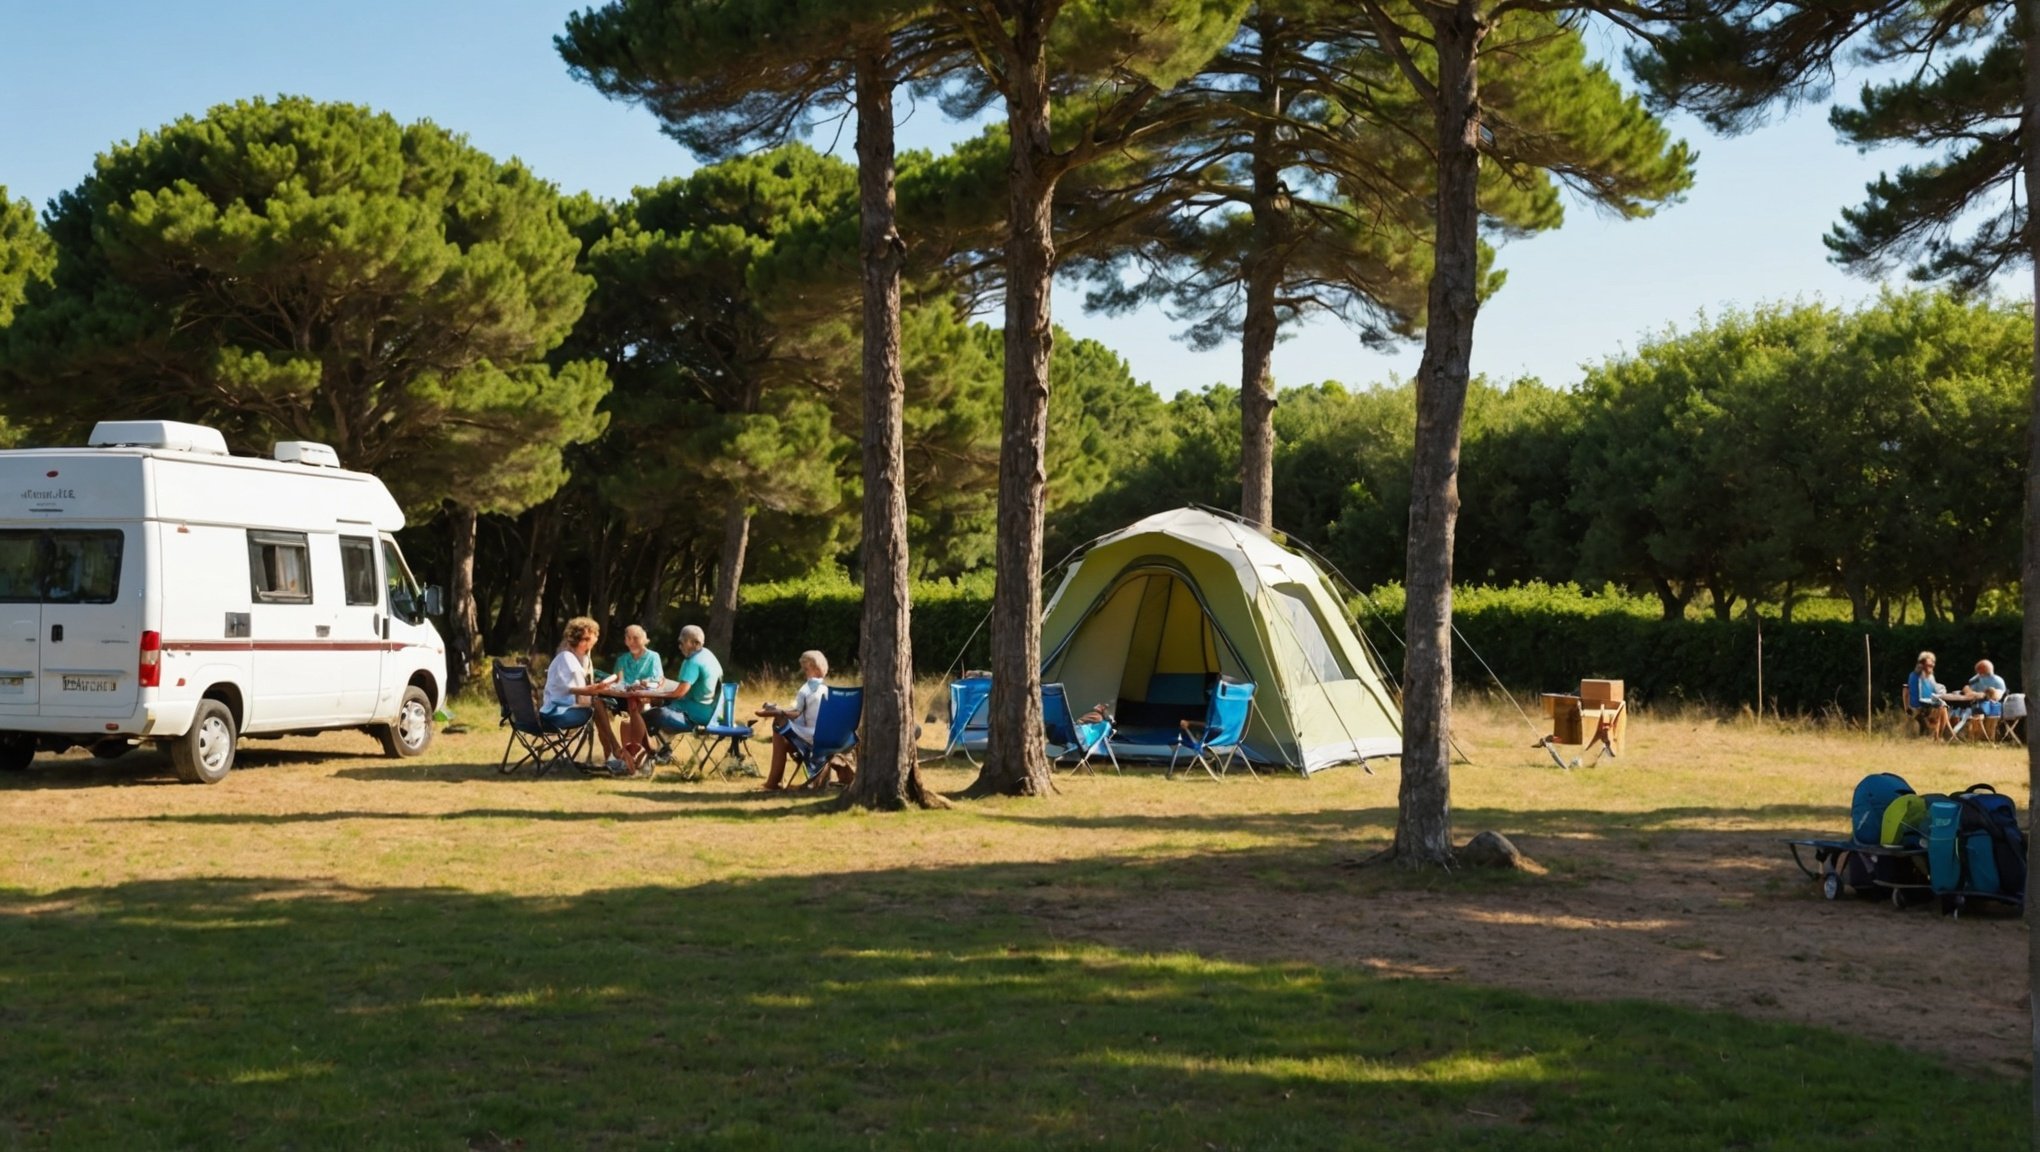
x,y
155,588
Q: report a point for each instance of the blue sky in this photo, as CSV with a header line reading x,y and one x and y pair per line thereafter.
x,y
78,77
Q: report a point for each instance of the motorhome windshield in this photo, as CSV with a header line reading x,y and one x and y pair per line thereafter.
x,y
60,566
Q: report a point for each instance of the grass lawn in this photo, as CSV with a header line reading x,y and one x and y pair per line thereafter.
x,y
333,950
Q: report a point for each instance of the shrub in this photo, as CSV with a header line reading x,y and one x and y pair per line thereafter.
x,y
1536,637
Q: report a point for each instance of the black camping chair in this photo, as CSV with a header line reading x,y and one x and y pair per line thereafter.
x,y
544,743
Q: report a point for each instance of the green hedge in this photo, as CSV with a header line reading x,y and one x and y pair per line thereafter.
x,y
1809,666
1537,639
777,622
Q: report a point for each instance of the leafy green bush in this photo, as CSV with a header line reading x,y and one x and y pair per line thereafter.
x,y
777,622
1536,637
1543,638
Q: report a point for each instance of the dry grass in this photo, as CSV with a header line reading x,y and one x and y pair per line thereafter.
x,y
1666,884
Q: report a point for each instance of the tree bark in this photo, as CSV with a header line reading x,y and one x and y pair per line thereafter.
x,y
1016,762
1670,599
888,772
1423,830
729,574
462,620
2029,573
654,602
1263,272
530,602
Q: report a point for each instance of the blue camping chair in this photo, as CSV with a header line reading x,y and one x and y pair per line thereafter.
x,y
969,720
835,735
544,743
1082,740
722,725
1225,725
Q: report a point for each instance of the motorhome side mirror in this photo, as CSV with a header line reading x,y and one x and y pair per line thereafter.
x,y
435,600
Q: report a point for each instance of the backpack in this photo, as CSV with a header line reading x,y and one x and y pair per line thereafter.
x,y
1993,847
1874,794
1944,852
1905,822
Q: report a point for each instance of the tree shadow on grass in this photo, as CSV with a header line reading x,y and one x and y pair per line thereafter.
x,y
148,766
551,815
896,1008
1590,823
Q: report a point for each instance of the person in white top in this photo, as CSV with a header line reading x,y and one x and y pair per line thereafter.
x,y
796,722
569,670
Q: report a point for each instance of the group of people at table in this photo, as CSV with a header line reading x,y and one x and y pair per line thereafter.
x,y
638,691
1942,712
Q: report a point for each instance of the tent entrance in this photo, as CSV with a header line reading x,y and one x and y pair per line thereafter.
x,y
1150,647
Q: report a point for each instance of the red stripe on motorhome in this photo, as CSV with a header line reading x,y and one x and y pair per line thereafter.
x,y
283,646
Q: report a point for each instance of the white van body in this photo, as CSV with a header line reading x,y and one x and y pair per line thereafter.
x,y
152,573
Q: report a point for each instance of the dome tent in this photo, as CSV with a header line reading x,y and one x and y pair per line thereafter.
x,y
1148,618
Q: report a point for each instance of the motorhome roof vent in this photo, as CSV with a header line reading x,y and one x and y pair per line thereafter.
x,y
168,435
305,452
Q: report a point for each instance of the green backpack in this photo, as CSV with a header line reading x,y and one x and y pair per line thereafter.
x,y
1905,822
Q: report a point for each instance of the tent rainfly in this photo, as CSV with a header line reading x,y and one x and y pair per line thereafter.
x,y
1148,618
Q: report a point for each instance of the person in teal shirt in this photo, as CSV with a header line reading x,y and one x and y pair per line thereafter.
x,y
637,664
700,676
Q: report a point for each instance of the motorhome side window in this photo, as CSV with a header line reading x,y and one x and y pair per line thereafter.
x,y
280,567
357,569
405,600
60,566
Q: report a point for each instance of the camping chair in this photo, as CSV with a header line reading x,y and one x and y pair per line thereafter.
x,y
835,735
2013,717
968,716
721,726
1085,740
545,744
1225,725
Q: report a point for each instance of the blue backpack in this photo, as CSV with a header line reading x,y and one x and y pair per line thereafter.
x,y
1974,844
1874,793
1993,847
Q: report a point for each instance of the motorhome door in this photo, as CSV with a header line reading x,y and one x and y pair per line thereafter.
x,y
91,620
20,620
406,625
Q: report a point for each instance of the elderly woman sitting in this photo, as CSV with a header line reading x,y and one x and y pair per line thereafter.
x,y
794,725
1922,698
570,670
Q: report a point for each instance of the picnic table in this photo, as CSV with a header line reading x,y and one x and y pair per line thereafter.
x,y
634,700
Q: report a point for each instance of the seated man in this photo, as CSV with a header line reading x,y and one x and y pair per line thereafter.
x,y
1987,691
1921,692
700,678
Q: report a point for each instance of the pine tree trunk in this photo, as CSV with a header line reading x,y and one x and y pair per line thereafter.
x,y
1016,763
1423,830
888,775
462,620
653,605
1257,334
729,574
530,602
2030,566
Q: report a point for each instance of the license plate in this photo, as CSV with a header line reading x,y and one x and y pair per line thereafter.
x,y
90,684
13,685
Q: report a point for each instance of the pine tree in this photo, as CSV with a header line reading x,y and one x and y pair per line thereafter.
x,y
724,73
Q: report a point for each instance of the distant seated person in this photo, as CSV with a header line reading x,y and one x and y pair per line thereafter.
x,y
1986,691
569,670
637,666
699,677
1922,694
794,725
